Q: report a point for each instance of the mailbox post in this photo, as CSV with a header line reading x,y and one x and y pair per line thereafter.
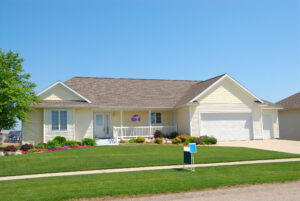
x,y
188,157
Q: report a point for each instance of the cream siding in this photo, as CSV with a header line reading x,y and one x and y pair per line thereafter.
x,y
182,117
59,92
69,134
257,123
83,124
33,130
289,124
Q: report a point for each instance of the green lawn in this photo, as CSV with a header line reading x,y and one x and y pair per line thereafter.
x,y
125,156
146,182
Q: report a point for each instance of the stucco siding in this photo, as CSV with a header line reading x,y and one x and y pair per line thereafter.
x,y
59,92
69,134
182,117
33,130
83,124
289,124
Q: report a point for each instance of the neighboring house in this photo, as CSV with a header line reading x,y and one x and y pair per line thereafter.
x,y
290,117
87,107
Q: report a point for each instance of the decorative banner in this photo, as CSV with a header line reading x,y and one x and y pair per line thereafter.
x,y
136,118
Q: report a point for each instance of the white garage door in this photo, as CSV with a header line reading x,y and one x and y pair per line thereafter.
x,y
226,127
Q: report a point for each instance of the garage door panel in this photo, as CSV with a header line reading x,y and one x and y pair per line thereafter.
x,y
226,127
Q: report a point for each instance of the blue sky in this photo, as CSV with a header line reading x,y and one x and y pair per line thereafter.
x,y
256,42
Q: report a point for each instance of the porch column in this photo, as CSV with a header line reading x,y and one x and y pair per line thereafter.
x,y
121,112
150,134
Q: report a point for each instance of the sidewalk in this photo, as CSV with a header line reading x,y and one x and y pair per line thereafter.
x,y
58,174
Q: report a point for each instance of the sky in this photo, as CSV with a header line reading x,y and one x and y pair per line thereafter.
x,y
255,42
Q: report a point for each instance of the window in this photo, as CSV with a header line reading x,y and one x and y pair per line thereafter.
x,y
59,120
155,118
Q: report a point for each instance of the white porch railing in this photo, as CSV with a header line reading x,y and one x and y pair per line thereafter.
x,y
141,131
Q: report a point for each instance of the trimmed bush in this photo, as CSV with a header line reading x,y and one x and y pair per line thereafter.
x,y
173,135
158,140
10,148
61,140
158,134
199,140
52,144
132,140
184,137
212,140
176,140
26,147
140,140
40,146
192,139
71,143
88,142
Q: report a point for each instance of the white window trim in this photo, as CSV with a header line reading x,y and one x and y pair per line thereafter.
x,y
59,129
161,117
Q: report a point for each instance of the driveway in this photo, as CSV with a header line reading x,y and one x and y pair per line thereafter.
x,y
288,146
262,192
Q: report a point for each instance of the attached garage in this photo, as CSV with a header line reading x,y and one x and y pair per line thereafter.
x,y
226,126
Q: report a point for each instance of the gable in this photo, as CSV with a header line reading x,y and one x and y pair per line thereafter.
x,y
227,92
59,92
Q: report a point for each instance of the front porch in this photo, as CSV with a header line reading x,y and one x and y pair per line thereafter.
x,y
112,126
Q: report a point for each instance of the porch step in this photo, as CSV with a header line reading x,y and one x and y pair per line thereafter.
x,y
101,142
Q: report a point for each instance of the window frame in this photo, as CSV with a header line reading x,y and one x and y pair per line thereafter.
x,y
59,121
155,118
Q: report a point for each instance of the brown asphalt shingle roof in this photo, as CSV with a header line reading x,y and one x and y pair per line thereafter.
x,y
135,93
291,102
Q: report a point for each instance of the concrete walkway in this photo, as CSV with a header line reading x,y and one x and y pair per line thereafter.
x,y
58,174
288,146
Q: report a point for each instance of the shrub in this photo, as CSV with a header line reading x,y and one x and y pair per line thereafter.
x,y
40,146
158,140
11,148
184,137
61,140
212,140
26,147
176,140
165,135
71,143
173,135
132,140
122,141
158,134
199,140
192,139
140,140
52,144
31,150
88,141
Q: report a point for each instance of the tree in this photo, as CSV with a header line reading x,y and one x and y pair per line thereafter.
x,y
16,91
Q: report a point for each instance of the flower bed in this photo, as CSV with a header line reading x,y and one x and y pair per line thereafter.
x,y
56,149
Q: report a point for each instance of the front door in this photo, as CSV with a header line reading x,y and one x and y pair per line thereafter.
x,y
101,125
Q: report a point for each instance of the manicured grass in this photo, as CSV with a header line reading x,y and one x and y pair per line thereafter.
x,y
147,182
125,156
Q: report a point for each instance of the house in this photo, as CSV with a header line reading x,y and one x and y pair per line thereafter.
x,y
113,108
290,117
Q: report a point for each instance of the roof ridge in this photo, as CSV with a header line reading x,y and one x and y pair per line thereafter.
x,y
134,78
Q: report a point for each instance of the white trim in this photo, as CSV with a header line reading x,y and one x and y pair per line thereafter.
x,y
92,120
44,125
218,81
271,108
66,86
74,126
190,123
